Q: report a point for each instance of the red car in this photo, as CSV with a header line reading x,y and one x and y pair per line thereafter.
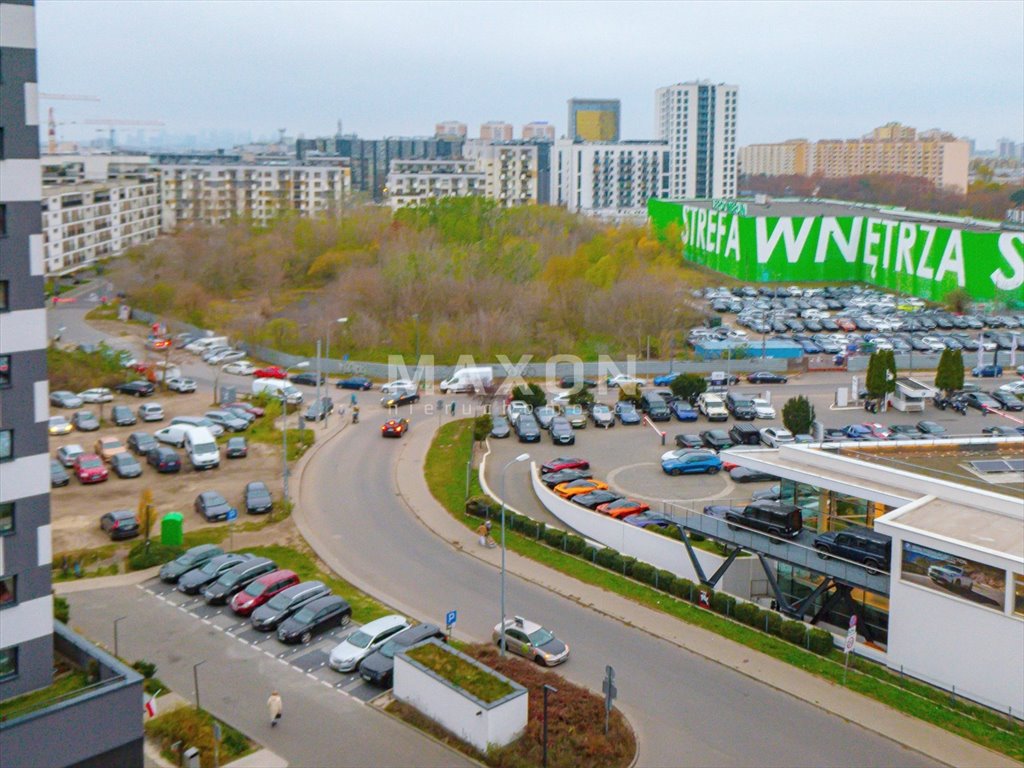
x,y
729,466
89,468
255,410
621,508
557,465
877,431
270,372
262,591
394,427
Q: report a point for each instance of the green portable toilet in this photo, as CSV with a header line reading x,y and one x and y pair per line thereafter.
x,y
171,526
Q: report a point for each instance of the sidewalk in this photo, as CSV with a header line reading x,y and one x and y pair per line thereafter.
x,y
927,739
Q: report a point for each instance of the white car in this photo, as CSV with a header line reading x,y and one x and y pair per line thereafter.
x,y
619,379
1016,388
181,384
773,437
398,386
227,356
240,368
763,408
96,395
151,412
364,641
208,355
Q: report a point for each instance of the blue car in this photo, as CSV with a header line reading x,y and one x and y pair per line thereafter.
x,y
355,382
691,463
627,413
987,371
683,410
856,432
665,380
647,520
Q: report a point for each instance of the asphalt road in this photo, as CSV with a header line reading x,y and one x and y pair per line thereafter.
x,y
687,710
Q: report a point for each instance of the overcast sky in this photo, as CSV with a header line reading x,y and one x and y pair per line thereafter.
x,y
804,69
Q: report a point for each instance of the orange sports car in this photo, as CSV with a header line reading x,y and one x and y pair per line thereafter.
x,y
575,487
621,508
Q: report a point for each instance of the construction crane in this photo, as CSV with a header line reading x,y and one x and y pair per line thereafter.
x,y
114,123
51,123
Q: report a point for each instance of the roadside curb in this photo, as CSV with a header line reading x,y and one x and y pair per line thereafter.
x,y
104,582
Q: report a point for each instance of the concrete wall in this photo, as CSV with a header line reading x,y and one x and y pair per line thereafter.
x,y
653,548
474,721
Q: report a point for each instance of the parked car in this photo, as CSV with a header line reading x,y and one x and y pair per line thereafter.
x,y
621,508
319,410
120,524
691,463
905,432
561,431
551,479
527,429
378,667
151,412
1007,401
602,416
650,520
214,507
270,372
627,412
532,641
141,443
58,475
196,421
125,465
236,448
500,428
226,356
64,399
164,460
743,433
622,379
932,429
240,368
747,475
195,580
192,558
576,415
399,399
689,440
180,384
345,656
766,377
253,410
772,517
85,421
234,580
716,439
314,617
763,409
67,454
665,379
398,385
257,498
138,388
575,487
239,413
862,545
564,462
89,469
682,410
269,616
307,378
355,382
59,425
594,499
96,395
987,371
262,590
1000,431
227,421
978,400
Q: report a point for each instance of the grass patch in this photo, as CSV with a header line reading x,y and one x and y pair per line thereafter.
x,y
445,474
460,673
63,685
88,562
263,430
195,728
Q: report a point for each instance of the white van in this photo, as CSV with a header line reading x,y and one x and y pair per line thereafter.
x,y
469,380
201,345
201,448
276,387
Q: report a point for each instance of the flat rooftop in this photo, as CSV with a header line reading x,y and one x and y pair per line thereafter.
x,y
979,527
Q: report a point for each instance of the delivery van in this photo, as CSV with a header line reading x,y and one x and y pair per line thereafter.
x,y
201,448
469,380
277,387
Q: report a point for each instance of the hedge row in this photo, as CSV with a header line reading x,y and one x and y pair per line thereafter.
x,y
796,632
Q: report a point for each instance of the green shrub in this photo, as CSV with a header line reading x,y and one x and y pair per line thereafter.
x,y
553,537
643,572
61,609
794,632
589,554
665,580
628,564
773,623
820,641
142,556
683,588
723,603
609,558
574,544
748,613
478,506
145,668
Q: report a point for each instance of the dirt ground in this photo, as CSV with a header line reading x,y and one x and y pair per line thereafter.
x,y
76,508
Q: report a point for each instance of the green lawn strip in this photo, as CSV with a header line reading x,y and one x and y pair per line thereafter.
x,y
445,468
364,607
264,430
64,685
460,673
195,728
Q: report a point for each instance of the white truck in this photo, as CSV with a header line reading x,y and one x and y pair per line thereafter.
x,y
469,380
277,388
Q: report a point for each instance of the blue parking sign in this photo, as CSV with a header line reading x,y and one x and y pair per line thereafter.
x,y
232,513
449,618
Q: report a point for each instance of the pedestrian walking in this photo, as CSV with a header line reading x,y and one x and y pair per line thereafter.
x,y
276,706
489,542
482,532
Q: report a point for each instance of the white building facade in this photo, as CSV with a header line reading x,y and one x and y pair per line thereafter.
x,y
417,182
698,122
609,177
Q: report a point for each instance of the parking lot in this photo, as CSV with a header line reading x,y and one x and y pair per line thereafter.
x,y
310,658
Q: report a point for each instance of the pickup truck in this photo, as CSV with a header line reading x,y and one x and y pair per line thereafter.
x,y
712,406
951,576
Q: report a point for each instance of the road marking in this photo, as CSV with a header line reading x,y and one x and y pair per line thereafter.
x,y
310,675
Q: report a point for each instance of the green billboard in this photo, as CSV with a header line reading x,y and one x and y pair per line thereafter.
x,y
917,258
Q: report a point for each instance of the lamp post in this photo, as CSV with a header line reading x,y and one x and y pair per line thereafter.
x,y
339,321
119,618
547,689
284,433
520,458
195,680
327,357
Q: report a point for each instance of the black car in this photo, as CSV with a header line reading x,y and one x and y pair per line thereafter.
x,y
688,440
1000,431
319,410
137,388
527,429
981,401
594,499
125,465
551,479
164,459
402,398
766,377
120,524
257,498
122,416
862,545
236,579
379,667
716,439
58,475
213,507
771,517
1008,401
747,475
314,617
193,582
499,427
141,443
192,558
568,382
283,605
236,448
906,432
355,382
309,379
561,431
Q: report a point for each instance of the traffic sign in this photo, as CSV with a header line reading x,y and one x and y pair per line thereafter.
x,y
851,635
450,617
232,514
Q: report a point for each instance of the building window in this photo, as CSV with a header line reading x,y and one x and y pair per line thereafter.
x,y
8,591
1018,596
8,663
4,306
5,371
6,444
6,518
3,220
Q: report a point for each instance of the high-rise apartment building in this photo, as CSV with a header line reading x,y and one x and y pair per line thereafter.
x,y
609,177
44,730
698,122
495,130
790,158
1006,149
450,128
540,130
594,119
413,183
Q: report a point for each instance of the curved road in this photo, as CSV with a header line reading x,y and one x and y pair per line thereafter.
x,y
686,710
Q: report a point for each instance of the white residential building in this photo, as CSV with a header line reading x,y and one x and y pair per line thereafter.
x,y
495,130
609,177
212,194
510,170
539,129
416,182
698,122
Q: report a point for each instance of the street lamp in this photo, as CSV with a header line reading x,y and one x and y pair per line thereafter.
x,y
195,679
339,321
520,458
326,359
284,431
119,618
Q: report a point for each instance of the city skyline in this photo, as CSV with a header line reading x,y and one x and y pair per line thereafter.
x,y
398,69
